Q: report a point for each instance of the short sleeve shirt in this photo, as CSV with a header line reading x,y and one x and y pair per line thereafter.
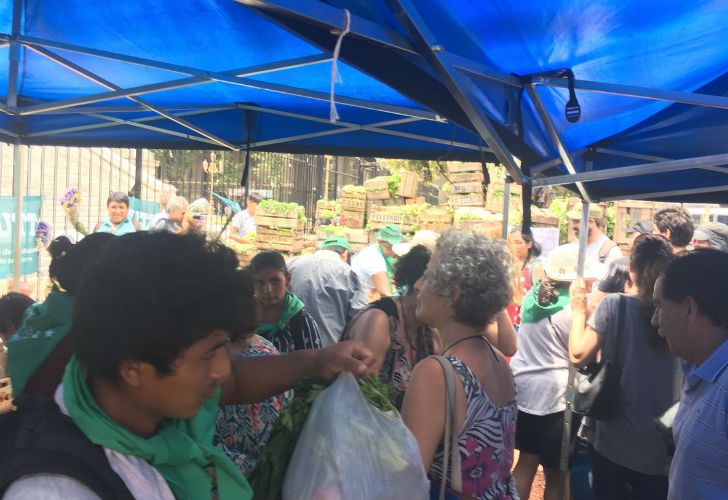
x,y
367,263
244,223
651,382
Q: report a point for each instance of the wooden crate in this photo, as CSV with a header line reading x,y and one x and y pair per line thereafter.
x,y
435,215
492,229
326,205
353,195
466,200
467,177
262,212
544,220
456,168
628,212
245,258
467,187
438,227
408,183
269,221
354,220
377,189
353,204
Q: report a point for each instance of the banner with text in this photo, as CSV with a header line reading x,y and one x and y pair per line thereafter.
x,y
31,217
142,211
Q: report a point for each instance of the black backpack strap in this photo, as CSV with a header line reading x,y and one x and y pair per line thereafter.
x,y
39,439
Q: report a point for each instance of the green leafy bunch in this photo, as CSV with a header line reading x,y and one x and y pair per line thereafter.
x,y
267,476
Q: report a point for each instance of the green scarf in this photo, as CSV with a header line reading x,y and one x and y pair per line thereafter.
x,y
181,451
292,305
533,312
44,325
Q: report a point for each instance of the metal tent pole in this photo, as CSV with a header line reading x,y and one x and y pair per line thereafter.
x,y
506,205
568,412
18,174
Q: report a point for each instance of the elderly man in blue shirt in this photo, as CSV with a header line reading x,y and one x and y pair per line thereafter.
x,y
691,314
329,287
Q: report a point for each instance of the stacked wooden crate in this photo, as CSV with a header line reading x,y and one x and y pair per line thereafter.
x,y
436,219
466,181
280,231
353,203
357,238
479,220
326,209
494,198
380,216
377,188
629,212
543,217
408,183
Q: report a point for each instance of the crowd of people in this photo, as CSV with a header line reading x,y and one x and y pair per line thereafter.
x,y
160,367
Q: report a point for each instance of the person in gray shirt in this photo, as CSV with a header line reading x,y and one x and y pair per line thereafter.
x,y
628,451
330,289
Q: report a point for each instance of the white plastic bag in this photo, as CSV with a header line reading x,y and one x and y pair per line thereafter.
x,y
349,450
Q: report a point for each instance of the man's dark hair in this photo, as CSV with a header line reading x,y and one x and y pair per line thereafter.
x,y
268,260
411,266
117,197
12,307
255,197
69,261
152,295
679,222
701,274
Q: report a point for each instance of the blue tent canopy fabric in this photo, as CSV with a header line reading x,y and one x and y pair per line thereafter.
x,y
99,74
635,65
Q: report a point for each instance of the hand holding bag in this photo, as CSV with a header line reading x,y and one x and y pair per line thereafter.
x,y
598,396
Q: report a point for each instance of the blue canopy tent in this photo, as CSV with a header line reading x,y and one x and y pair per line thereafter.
x,y
191,75
196,74
649,83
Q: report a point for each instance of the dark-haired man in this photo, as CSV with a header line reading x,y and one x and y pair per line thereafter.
x,y
152,319
329,287
244,221
675,224
690,313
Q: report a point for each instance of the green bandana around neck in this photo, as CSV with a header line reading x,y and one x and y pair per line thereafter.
x,y
292,305
44,325
533,312
181,451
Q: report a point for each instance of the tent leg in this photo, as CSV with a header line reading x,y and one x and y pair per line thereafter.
x,y
506,205
18,174
568,412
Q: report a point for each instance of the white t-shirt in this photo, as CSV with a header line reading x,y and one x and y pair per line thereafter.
x,y
592,252
142,480
244,223
541,364
367,263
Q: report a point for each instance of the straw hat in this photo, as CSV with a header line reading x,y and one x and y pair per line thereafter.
x,y
562,263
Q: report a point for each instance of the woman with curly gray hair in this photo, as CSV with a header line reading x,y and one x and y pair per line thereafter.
x,y
466,284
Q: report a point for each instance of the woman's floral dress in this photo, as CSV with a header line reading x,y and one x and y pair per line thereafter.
x,y
243,430
486,443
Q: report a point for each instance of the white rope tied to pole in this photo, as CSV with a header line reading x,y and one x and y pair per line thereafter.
x,y
335,75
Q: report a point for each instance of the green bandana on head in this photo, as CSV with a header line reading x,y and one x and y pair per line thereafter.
x,y
44,325
533,312
181,451
292,305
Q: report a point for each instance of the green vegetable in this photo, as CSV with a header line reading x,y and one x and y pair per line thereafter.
x,y
279,207
353,189
267,476
393,183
